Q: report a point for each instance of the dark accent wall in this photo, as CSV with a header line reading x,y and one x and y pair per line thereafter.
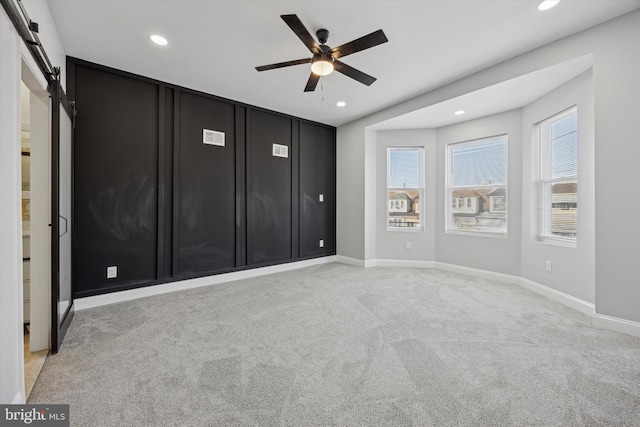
x,y
153,200
115,180
317,218
205,187
269,198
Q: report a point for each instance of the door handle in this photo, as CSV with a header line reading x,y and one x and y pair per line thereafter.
x,y
66,228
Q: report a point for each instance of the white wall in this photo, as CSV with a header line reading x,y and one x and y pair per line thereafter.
x,y
38,11
11,357
617,167
350,188
573,269
615,46
481,251
391,244
11,335
370,196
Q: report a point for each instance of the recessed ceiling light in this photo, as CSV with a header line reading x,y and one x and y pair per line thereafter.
x,y
547,4
459,113
159,40
341,103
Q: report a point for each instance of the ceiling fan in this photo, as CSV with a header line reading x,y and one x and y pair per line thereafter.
x,y
325,59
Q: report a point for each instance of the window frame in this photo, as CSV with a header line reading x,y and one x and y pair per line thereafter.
x,y
421,191
449,189
544,208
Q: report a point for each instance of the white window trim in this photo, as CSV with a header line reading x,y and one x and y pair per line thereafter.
x,y
421,189
449,190
542,233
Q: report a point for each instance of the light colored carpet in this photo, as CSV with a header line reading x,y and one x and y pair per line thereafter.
x,y
344,346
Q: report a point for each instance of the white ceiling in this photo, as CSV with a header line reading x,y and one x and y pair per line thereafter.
x,y
214,45
504,96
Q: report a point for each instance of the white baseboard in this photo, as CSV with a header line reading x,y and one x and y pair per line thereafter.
x,y
553,294
598,320
384,262
351,261
370,263
476,272
616,324
402,263
18,399
565,299
114,297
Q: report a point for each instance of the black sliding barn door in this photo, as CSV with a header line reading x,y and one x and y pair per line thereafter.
x,y
61,215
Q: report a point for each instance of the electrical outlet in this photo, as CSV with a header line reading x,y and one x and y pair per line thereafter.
x,y
407,246
322,243
321,197
548,266
112,272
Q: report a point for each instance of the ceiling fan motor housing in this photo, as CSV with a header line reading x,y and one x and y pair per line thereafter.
x,y
323,35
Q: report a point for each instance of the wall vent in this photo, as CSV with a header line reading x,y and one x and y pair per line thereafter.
x,y
280,150
212,137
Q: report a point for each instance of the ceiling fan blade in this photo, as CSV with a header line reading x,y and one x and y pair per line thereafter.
x,y
312,83
349,71
364,42
283,64
298,27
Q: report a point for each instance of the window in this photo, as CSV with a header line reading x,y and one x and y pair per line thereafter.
x,y
558,178
477,179
405,187
498,204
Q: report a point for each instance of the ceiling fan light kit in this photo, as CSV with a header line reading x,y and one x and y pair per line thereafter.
x,y
325,59
322,65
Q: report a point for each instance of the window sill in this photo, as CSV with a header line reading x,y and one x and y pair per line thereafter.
x,y
556,241
478,233
406,229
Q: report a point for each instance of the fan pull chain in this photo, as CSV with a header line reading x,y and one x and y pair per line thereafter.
x,y
322,89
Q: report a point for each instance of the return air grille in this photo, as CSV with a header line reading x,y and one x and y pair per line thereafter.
x,y
280,150
212,137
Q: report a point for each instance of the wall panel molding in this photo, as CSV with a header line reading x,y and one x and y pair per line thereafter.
x,y
216,209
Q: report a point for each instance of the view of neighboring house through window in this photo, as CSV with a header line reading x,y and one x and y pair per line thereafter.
x,y
477,185
405,187
558,183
